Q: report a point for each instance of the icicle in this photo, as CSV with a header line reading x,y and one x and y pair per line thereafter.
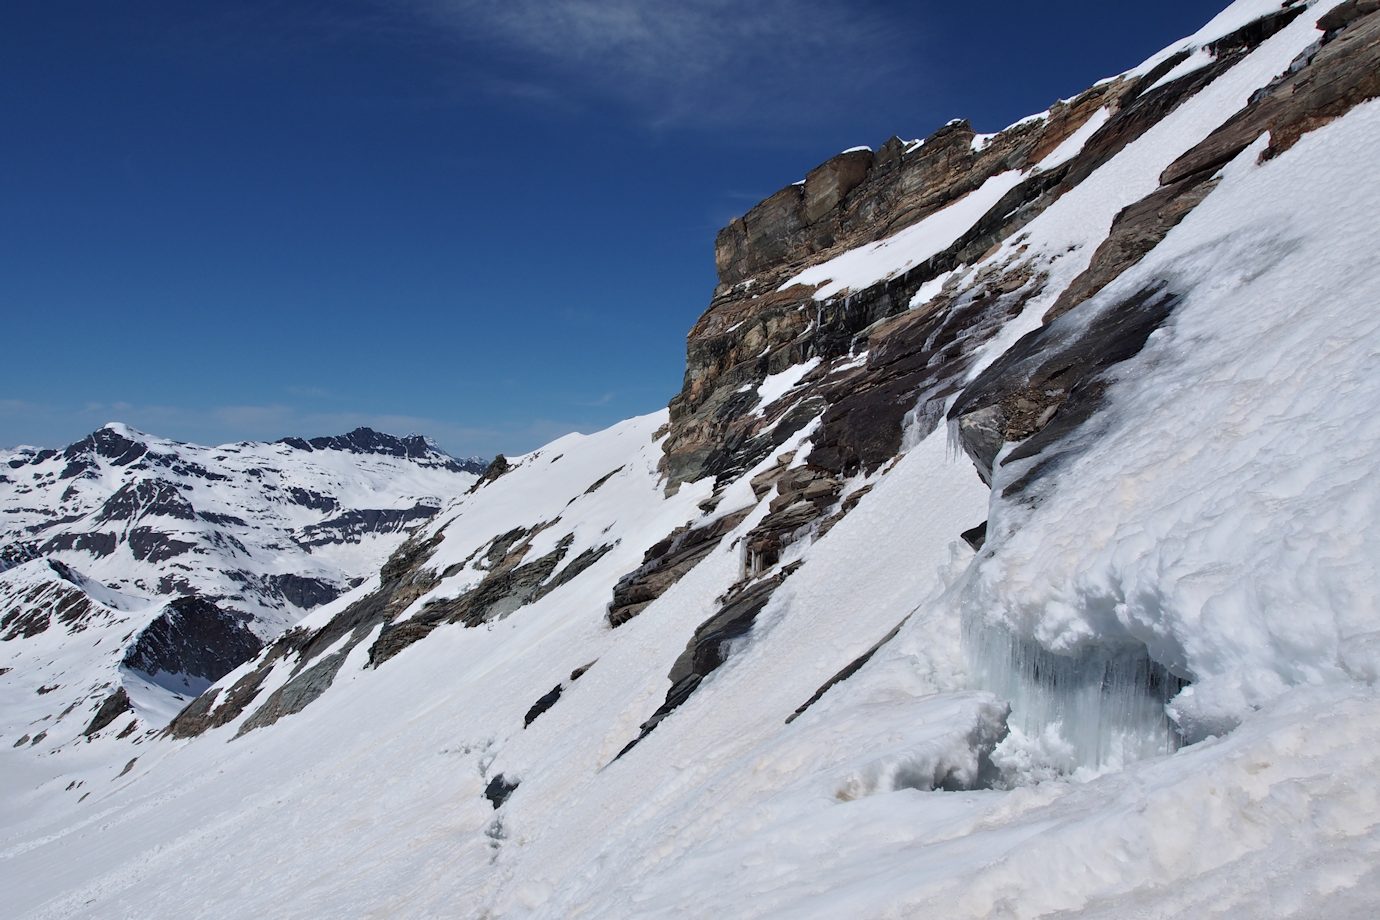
x,y
953,444
1107,702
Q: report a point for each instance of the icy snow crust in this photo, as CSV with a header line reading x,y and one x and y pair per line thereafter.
x,y
1217,514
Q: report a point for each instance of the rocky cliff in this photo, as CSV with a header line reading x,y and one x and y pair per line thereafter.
x,y
857,312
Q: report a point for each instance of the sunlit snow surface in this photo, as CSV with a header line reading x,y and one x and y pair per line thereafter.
x,y
863,267
1219,514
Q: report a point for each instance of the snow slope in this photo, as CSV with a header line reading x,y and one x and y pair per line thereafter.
x,y
905,725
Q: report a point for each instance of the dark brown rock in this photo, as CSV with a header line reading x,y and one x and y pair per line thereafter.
x,y
498,466
1050,381
114,705
707,649
1138,229
1344,14
665,563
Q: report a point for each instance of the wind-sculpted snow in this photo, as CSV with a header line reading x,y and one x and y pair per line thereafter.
x,y
648,673
1222,498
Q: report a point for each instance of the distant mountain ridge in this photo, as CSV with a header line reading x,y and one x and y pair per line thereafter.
x,y
180,560
368,441
272,523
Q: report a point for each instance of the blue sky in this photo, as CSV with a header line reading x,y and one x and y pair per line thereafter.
x,y
489,222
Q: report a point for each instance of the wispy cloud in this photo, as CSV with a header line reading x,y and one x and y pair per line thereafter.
x,y
310,392
595,402
697,63
12,408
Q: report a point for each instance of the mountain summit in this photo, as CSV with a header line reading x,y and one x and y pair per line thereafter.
x,y
414,447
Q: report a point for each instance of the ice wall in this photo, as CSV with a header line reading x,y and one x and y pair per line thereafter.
x,y
1098,708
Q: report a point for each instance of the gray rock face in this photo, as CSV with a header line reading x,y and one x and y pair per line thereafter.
x,y
191,644
297,693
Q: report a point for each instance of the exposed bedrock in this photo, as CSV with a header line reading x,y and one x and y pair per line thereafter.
x,y
114,705
62,599
402,579
860,196
709,648
663,565
1342,71
510,584
1339,73
192,638
1051,381
203,713
754,328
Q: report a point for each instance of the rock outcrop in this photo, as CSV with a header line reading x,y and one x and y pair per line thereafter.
x,y
191,644
114,705
757,326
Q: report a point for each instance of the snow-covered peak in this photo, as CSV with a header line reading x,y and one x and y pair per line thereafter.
x,y
271,530
129,432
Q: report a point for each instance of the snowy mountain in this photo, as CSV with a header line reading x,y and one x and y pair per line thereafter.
x,y
266,530
1008,551
141,570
